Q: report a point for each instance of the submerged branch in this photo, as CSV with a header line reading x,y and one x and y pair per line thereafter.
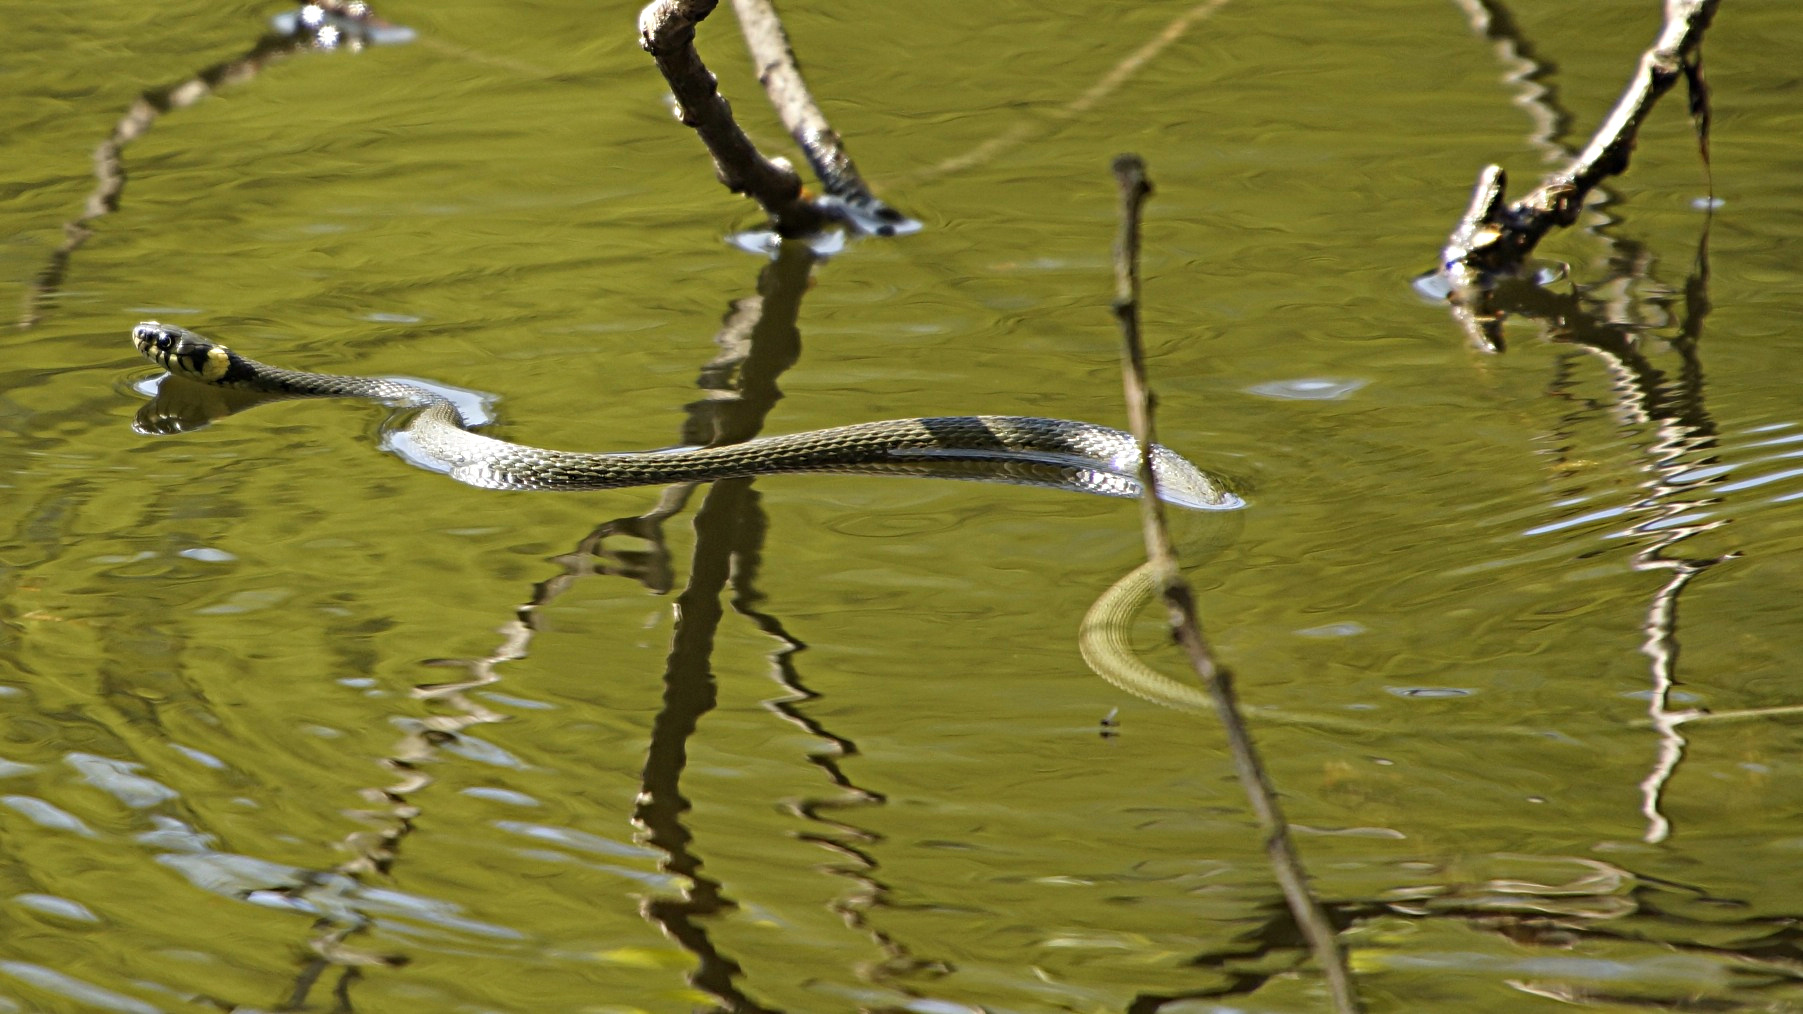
x,y
1494,236
1093,96
667,32
1179,600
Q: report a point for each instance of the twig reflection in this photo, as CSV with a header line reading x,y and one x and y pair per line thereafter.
x,y
759,342
1677,460
327,24
1684,434
730,528
689,693
1527,73
849,843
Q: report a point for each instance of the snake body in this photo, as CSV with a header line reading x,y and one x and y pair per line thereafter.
x,y
1021,449
1050,452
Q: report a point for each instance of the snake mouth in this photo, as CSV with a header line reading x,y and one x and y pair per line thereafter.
x,y
154,341
152,337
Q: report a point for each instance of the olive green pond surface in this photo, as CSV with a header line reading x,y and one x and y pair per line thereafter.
x,y
287,723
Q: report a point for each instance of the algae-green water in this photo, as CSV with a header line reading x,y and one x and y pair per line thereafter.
x,y
288,723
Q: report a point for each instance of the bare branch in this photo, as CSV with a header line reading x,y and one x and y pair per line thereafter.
x,y
667,32
847,193
1494,238
1179,600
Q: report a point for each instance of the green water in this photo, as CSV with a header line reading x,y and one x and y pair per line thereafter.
x,y
850,759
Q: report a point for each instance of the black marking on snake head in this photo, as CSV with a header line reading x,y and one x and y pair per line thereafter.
x,y
148,334
153,340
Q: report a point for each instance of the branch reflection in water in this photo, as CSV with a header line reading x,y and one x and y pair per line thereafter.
x,y
1679,461
326,25
1566,901
1609,320
758,341
1531,899
1609,327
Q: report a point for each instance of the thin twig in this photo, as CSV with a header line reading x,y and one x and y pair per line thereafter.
x,y
667,32
781,77
1130,173
1494,237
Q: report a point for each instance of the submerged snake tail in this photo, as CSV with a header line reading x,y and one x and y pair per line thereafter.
x,y
1105,639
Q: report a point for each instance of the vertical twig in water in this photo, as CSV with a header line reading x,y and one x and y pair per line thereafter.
x,y
781,77
1130,173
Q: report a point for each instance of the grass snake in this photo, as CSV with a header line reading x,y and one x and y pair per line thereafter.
x,y
1020,449
1048,452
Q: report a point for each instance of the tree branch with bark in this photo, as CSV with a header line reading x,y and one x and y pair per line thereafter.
x,y
667,32
1495,236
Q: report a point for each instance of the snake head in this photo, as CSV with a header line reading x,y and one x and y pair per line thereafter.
x,y
181,351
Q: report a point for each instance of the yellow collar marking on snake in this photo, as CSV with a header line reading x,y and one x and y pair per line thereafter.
x,y
218,361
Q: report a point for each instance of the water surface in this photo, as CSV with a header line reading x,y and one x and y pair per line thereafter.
x,y
284,720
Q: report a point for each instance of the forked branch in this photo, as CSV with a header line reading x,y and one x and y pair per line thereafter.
x,y
848,196
667,32
1495,236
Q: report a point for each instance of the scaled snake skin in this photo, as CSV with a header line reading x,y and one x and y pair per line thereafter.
x,y
1022,449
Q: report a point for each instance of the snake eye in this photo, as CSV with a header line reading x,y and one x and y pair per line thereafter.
x,y
164,341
